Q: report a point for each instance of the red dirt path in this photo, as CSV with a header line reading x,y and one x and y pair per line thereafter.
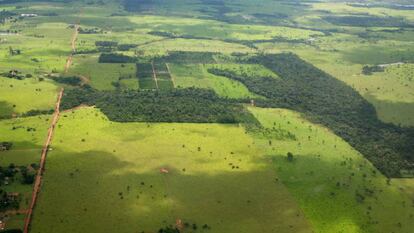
x,y
73,45
38,181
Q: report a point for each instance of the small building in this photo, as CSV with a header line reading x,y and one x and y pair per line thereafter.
x,y
28,15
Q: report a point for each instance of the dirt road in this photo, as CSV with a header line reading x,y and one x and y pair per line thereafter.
x,y
73,46
171,76
38,180
154,75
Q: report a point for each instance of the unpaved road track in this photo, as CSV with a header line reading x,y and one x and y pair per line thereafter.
x,y
171,76
154,75
38,180
73,45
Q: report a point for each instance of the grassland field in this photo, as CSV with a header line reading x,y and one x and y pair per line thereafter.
x,y
104,176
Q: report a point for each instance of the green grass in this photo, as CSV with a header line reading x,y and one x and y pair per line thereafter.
x,y
26,144
94,160
44,48
197,76
327,173
246,70
28,94
147,83
129,84
101,75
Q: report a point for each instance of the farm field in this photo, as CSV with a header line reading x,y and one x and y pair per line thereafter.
x,y
28,94
196,116
123,160
102,76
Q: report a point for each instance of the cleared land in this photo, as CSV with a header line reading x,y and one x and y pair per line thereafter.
x,y
218,174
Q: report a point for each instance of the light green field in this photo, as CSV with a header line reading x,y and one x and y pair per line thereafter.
x,y
192,45
26,144
246,70
101,75
198,76
326,176
92,156
28,94
44,48
219,30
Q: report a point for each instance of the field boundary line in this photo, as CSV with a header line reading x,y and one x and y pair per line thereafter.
x,y
171,76
38,180
154,75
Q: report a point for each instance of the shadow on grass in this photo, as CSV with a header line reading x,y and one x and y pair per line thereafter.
x,y
96,192
345,196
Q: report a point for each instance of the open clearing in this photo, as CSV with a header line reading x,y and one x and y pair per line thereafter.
x,y
123,160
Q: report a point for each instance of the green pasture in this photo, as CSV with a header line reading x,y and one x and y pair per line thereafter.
x,y
20,96
335,186
104,176
101,75
44,48
196,75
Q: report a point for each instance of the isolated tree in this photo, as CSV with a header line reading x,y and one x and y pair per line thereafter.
x,y
289,156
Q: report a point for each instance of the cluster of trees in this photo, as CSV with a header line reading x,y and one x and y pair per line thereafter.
x,y
15,74
8,174
110,46
368,70
4,15
5,146
178,105
368,21
106,46
115,58
70,80
94,30
8,201
14,52
169,229
328,101
37,112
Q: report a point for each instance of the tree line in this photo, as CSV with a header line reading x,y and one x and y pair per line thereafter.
x,y
177,105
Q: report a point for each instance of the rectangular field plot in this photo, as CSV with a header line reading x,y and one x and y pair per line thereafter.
x,y
144,69
165,84
147,83
139,177
145,76
129,84
160,68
